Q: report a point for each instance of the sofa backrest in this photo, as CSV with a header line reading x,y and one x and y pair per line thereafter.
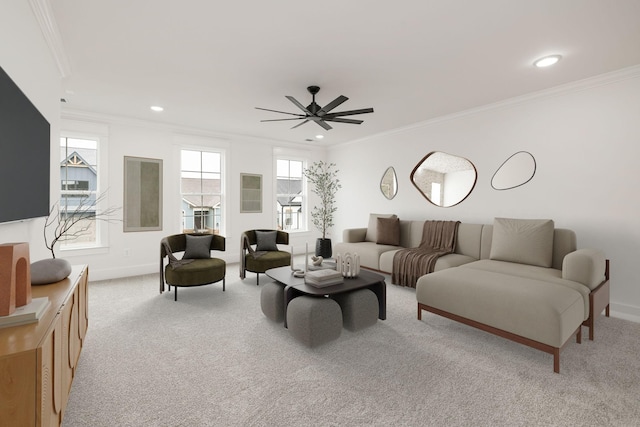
x,y
474,240
564,242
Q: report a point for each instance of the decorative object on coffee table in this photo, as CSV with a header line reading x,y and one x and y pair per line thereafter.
x,y
324,178
348,265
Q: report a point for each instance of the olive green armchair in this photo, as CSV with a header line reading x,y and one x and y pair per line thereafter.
x,y
266,254
196,267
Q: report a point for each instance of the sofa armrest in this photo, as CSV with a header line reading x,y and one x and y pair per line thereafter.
x,y
586,266
354,235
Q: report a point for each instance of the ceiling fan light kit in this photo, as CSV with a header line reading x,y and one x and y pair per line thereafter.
x,y
320,115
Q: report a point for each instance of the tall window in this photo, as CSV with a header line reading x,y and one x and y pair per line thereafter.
x,y
79,191
290,196
201,188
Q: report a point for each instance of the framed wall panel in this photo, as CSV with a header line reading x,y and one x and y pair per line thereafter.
x,y
250,193
142,194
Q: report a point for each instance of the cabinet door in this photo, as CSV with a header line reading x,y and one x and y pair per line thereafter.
x,y
49,376
18,389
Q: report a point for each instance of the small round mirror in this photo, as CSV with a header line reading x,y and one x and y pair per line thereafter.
x,y
389,183
517,170
444,179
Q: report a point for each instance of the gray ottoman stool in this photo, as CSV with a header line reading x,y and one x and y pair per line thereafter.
x,y
272,301
359,308
314,321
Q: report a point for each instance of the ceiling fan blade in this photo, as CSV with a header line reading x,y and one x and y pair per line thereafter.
x,y
333,104
276,111
324,125
279,120
349,113
300,106
300,124
339,120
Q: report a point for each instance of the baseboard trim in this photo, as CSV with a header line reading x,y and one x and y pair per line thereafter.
x,y
625,311
120,272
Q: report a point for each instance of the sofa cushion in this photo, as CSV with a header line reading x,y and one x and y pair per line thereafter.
x,y
544,274
198,247
372,229
388,231
538,310
525,241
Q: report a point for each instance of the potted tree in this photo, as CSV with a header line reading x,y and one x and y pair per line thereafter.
x,y
325,184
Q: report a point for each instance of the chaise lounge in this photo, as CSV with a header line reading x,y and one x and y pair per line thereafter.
x,y
521,279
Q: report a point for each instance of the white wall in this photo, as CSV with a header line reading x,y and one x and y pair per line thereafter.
x,y
127,137
585,138
25,56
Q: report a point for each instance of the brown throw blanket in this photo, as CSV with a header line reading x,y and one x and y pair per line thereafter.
x,y
438,238
246,245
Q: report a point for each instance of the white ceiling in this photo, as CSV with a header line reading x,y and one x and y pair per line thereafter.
x,y
209,63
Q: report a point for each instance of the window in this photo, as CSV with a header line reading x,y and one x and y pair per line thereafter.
x,y
79,191
201,190
290,194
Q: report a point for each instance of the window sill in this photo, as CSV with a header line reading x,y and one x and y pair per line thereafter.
x,y
83,251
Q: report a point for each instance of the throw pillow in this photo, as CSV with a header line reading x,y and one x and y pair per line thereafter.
x,y
525,241
266,240
372,229
389,231
198,247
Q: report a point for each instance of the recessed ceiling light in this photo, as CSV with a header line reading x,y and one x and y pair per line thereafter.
x,y
547,61
157,108
319,136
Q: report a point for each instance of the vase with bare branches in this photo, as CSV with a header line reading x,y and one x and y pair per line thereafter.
x,y
70,225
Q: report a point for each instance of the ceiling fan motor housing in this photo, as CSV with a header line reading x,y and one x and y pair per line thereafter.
x,y
313,107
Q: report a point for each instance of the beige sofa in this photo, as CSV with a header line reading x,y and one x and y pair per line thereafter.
x,y
537,292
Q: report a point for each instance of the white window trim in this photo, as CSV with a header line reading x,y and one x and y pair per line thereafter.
x,y
195,143
98,132
280,154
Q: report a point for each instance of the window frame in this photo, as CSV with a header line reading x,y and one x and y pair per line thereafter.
x,y
95,132
222,208
303,222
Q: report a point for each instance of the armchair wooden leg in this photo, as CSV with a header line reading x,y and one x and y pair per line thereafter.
x,y
257,279
175,293
223,283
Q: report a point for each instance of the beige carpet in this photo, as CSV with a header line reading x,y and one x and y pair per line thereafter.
x,y
213,359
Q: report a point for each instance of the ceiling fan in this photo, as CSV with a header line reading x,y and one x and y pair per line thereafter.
x,y
320,115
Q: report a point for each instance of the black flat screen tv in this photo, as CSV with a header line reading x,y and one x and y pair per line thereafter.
x,y
25,145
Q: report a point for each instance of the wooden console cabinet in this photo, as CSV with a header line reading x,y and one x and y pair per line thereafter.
x,y
38,360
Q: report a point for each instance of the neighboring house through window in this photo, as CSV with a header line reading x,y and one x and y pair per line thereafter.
x,y
79,191
201,190
290,197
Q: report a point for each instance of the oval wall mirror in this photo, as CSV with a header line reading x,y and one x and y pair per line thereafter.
x,y
517,170
444,179
389,183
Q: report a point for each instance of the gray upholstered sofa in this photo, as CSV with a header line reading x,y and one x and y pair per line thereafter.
x,y
536,291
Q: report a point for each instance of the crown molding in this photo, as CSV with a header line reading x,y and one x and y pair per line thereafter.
x,y
49,27
90,116
612,77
